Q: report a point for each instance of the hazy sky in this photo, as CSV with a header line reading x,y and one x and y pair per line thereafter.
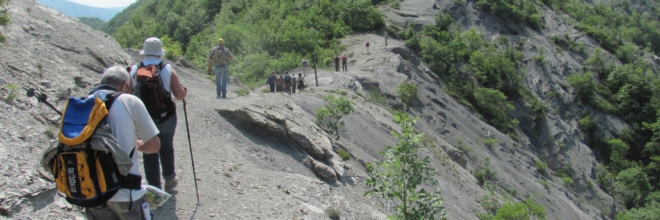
x,y
105,4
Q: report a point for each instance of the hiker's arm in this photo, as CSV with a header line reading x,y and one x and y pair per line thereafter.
x,y
152,146
176,87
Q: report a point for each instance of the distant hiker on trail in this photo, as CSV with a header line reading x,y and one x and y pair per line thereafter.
x,y
157,96
220,57
368,44
301,83
287,82
294,82
271,81
279,82
343,63
305,65
337,63
386,36
130,124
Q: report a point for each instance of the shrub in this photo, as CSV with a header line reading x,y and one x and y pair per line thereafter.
x,y
490,142
243,92
407,92
545,184
484,173
541,166
13,89
342,92
329,117
584,85
265,90
345,156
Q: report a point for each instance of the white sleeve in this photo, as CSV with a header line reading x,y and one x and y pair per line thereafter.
x,y
146,129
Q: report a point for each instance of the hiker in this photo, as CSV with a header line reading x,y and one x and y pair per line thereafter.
x,y
220,57
386,36
279,82
368,47
287,82
337,63
305,65
271,82
131,125
343,63
157,96
301,83
294,83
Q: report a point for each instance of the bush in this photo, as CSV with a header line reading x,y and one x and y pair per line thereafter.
x,y
4,18
541,166
490,142
13,89
345,156
484,173
329,116
584,85
243,92
407,92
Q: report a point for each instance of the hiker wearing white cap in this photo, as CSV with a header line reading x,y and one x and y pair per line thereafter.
x,y
220,57
157,94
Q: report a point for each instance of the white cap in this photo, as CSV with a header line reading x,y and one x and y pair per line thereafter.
x,y
153,47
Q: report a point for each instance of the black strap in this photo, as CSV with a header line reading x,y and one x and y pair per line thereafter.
x,y
110,99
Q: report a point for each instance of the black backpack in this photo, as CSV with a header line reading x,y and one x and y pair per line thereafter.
x,y
149,88
287,79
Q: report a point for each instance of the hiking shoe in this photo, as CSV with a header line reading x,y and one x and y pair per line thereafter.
x,y
170,185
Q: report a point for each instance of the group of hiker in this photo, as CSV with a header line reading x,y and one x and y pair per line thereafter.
x,y
287,82
141,116
344,59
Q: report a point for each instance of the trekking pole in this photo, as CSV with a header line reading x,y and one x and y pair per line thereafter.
x,y
43,98
185,112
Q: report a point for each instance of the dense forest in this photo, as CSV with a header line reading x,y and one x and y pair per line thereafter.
x,y
274,35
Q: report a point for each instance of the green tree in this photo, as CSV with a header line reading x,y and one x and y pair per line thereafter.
x,y
493,105
407,93
632,187
398,178
93,22
172,47
329,117
584,85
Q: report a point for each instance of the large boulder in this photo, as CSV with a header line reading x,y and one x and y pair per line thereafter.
x,y
288,121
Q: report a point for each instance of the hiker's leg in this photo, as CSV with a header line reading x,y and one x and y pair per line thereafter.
x,y
166,136
152,168
216,70
128,210
225,78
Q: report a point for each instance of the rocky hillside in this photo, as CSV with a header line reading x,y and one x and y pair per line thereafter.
x,y
261,156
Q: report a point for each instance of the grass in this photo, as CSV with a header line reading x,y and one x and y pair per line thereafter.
x,y
265,91
462,147
545,184
375,96
243,92
13,88
484,173
490,142
344,154
342,92
541,166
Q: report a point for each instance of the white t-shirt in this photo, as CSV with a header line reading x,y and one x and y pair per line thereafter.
x,y
165,73
129,120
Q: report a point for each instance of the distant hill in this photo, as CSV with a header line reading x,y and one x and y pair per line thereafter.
x,y
78,10
93,22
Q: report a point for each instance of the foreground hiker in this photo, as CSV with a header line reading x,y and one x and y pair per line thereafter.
x,y
220,57
155,82
112,138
